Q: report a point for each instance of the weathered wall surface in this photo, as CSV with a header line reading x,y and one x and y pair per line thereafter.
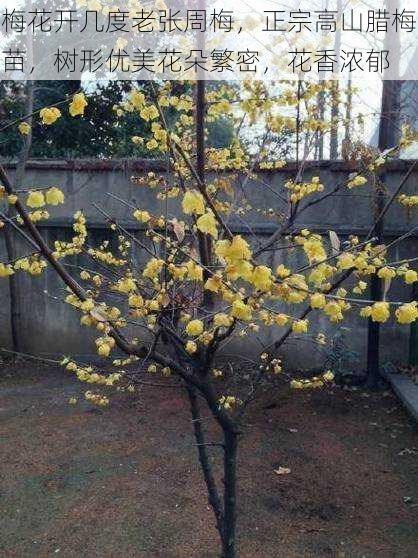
x,y
47,326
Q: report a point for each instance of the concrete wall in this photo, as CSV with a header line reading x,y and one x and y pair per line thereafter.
x,y
49,327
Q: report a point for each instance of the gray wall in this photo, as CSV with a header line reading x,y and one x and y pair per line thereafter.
x,y
47,326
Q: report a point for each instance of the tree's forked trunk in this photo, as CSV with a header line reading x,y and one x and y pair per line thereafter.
x,y
230,495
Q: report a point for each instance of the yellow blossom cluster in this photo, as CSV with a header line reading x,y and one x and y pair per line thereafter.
x,y
301,190
89,375
312,246
63,249
24,128
315,382
32,265
53,196
194,328
207,223
6,270
407,313
193,203
104,345
357,180
78,105
105,257
49,115
168,290
408,201
378,312
227,402
97,398
35,216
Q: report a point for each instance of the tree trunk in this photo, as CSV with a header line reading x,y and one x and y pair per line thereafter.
x,y
213,496
230,495
14,294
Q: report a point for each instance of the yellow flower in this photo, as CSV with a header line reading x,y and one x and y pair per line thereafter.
x,y
194,328
103,350
5,270
241,311
361,286
345,261
222,320
328,376
49,115
194,271
213,284
386,273
233,251
193,203
334,311
149,113
141,216
137,98
281,319
126,285
318,300
24,128
282,271
191,347
177,272
357,181
78,104
228,401
35,199
153,268
12,199
407,313
54,196
411,276
262,278
296,384
72,400
314,250
240,268
137,140
380,312
151,144
366,312
207,224
153,305
300,326
136,301
408,201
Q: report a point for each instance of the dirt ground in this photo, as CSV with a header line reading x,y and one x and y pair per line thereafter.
x,y
124,482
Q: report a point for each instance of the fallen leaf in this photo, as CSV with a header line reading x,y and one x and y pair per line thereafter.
x,y
282,471
178,229
335,242
99,314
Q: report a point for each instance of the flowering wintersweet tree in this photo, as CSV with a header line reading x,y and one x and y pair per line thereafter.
x,y
200,284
